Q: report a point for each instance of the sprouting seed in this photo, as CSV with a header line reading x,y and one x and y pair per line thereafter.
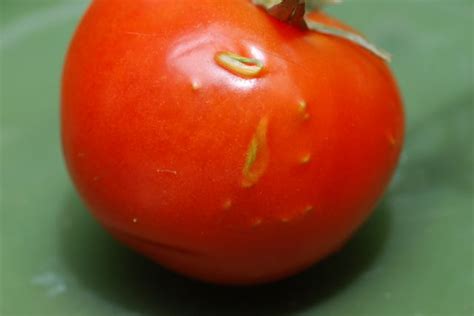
x,y
256,159
239,65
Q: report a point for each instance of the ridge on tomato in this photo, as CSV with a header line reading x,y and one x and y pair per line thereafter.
x,y
222,143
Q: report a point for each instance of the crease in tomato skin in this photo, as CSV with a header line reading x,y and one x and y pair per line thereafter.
x,y
156,244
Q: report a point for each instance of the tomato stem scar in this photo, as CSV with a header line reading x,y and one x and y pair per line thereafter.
x,y
351,37
293,12
239,65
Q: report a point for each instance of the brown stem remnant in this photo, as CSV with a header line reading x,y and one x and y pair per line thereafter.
x,y
288,11
293,13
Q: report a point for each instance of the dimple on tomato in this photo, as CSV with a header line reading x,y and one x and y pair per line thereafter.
x,y
221,142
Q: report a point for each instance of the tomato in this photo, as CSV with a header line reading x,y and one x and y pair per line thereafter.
x,y
222,143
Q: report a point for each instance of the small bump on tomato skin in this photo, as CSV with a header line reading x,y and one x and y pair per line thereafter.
x,y
303,109
305,159
96,178
302,105
285,220
195,85
256,222
308,209
391,140
135,220
227,204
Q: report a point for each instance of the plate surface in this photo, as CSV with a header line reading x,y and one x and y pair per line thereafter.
x,y
413,257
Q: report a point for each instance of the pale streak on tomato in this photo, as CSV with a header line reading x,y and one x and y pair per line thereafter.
x,y
256,160
239,65
169,171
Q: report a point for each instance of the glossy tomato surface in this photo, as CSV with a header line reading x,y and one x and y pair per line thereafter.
x,y
220,176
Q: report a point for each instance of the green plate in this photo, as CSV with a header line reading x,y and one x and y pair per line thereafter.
x,y
413,257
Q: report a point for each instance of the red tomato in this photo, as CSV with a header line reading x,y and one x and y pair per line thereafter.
x,y
224,144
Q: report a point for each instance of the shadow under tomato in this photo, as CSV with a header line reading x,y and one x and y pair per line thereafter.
x,y
136,284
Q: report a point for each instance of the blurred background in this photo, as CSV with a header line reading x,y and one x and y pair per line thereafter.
x,y
413,257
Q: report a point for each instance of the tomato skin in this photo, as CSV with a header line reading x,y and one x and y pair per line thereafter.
x,y
156,135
